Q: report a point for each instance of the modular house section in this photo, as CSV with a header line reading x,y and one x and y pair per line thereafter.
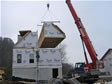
x,y
35,63
51,35
25,63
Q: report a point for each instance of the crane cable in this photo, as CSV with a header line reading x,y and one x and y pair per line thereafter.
x,y
51,15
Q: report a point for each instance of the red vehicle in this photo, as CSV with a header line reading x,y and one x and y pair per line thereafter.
x,y
96,64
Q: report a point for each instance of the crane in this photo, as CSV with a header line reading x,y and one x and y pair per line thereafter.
x,y
89,71
85,39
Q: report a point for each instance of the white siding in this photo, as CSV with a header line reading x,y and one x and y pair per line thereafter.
x,y
28,73
29,41
25,58
31,73
49,59
108,62
51,31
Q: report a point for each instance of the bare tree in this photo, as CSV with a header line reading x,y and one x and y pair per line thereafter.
x,y
66,67
63,52
6,49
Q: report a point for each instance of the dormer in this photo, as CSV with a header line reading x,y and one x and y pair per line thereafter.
x,y
22,33
27,39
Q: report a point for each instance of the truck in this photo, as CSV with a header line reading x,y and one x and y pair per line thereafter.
x,y
88,71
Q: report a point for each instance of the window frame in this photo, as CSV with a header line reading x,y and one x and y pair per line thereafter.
x,y
31,58
19,59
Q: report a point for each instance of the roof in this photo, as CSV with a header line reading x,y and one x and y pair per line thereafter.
x,y
23,32
110,49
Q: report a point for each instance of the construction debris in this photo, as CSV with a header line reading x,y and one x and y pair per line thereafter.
x,y
103,82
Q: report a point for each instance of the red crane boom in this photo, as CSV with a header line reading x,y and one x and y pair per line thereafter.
x,y
84,36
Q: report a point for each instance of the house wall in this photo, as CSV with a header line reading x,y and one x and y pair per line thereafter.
x,y
27,73
49,59
47,73
25,58
108,63
29,41
31,73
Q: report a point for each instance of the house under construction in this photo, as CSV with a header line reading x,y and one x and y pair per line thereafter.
x,y
38,59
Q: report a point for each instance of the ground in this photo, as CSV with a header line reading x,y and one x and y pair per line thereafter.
x,y
9,82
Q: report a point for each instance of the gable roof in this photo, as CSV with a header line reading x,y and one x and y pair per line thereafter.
x,y
23,33
59,29
110,49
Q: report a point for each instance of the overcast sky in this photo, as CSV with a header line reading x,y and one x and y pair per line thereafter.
x,y
95,15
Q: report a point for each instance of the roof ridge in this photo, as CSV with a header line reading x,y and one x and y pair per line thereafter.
x,y
105,53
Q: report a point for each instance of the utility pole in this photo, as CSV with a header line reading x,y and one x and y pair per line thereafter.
x,y
37,57
37,61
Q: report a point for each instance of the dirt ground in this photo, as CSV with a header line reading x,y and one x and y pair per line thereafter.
x,y
9,82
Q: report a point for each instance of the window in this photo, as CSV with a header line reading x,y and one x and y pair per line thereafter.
x,y
31,58
19,58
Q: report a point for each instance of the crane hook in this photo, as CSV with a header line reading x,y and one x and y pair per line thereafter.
x,y
48,5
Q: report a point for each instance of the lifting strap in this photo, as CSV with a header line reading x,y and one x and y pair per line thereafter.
x,y
49,15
